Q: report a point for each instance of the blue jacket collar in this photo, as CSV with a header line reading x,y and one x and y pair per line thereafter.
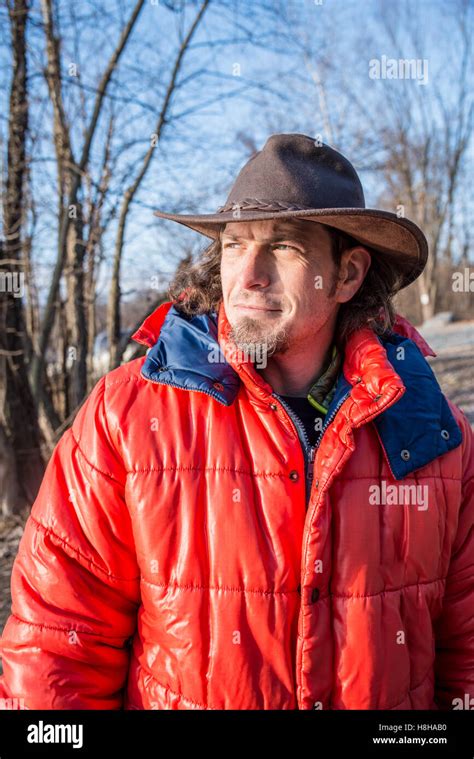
x,y
187,355
415,430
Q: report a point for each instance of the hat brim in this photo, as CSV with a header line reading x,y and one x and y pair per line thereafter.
x,y
400,240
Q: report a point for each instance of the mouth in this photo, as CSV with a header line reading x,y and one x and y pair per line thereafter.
x,y
257,308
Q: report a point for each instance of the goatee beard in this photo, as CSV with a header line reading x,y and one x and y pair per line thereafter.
x,y
250,337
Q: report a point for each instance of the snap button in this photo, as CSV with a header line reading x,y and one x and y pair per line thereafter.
x,y
377,397
358,379
314,595
273,406
445,434
218,386
405,454
294,475
316,484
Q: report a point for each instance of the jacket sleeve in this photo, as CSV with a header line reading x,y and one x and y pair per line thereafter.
x,y
454,628
75,579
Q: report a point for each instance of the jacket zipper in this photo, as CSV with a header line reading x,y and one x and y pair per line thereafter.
x,y
309,451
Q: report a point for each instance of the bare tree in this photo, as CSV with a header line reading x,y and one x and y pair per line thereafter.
x,y
410,138
424,143
21,460
71,246
116,345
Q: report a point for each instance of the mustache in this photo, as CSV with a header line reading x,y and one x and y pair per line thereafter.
x,y
246,301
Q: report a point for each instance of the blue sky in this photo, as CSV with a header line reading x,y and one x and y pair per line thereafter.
x,y
241,88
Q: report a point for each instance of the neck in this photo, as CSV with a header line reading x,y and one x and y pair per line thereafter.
x,y
294,372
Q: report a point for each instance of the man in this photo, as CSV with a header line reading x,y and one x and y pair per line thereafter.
x,y
273,509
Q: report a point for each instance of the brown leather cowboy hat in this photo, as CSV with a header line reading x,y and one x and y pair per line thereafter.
x,y
299,177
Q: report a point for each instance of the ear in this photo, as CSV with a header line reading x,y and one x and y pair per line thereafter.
x,y
355,263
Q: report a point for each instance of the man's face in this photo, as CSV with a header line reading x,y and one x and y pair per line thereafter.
x,y
277,277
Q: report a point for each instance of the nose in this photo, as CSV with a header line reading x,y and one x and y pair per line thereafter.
x,y
255,271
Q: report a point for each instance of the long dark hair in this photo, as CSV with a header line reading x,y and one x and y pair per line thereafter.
x,y
197,289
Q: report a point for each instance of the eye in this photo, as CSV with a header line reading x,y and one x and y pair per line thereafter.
x,y
284,245
276,245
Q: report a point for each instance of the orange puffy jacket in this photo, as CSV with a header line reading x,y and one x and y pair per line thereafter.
x,y
188,550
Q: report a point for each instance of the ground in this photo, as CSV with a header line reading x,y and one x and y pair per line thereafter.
x,y
454,369
454,363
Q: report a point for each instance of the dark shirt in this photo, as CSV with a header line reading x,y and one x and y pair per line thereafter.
x,y
308,415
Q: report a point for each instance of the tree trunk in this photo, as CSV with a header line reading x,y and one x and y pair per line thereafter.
x,y
20,438
76,324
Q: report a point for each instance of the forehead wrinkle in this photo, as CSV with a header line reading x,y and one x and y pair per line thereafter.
x,y
282,232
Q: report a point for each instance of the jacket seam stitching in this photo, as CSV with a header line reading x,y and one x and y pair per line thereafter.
x,y
44,626
216,587
389,590
380,593
49,531
410,475
92,466
205,469
175,692
101,386
123,380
